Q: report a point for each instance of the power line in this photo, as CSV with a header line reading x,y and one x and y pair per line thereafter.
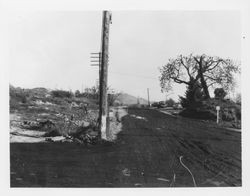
x,y
134,75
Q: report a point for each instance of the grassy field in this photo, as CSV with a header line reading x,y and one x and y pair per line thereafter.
x,y
152,150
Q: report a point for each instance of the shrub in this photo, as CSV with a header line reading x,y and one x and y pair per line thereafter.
x,y
77,93
170,102
229,111
219,93
17,96
61,94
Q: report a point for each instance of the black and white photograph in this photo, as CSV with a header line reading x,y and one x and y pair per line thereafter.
x,y
136,99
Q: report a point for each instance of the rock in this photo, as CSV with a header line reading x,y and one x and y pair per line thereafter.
x,y
81,123
55,139
163,179
126,172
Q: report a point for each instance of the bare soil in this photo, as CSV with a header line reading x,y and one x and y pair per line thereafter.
x,y
146,153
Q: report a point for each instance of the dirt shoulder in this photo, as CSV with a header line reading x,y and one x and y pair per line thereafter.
x,y
225,125
37,129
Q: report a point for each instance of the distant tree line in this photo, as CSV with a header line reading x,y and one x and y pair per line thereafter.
x,y
93,92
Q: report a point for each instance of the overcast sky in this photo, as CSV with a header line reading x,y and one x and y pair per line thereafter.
x,y
52,49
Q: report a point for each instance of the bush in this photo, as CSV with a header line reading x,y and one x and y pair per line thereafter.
x,y
219,93
61,94
17,96
155,104
77,93
229,111
170,102
160,104
231,114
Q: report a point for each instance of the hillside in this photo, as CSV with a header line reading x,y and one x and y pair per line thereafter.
x,y
127,99
18,94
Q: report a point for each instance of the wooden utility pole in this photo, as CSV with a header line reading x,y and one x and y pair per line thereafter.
x,y
148,98
103,102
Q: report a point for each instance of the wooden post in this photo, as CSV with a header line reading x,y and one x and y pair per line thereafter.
x,y
103,103
218,114
148,98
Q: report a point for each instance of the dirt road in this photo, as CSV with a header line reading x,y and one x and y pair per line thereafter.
x,y
152,150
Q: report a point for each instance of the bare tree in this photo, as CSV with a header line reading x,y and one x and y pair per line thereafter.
x,y
208,71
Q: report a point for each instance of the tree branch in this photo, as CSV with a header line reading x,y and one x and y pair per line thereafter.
x,y
217,63
187,68
211,84
180,81
211,78
196,60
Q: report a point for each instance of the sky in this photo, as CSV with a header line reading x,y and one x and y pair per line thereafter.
x,y
52,48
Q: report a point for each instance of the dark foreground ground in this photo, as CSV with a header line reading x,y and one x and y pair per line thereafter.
x,y
146,154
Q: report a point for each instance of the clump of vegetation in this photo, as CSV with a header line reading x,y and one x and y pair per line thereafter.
x,y
219,93
17,96
230,111
170,102
61,94
197,106
112,98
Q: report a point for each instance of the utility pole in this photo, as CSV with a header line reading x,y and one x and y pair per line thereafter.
x,y
138,100
103,80
148,98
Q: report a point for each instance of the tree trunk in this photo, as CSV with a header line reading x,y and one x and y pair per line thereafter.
x,y
203,82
